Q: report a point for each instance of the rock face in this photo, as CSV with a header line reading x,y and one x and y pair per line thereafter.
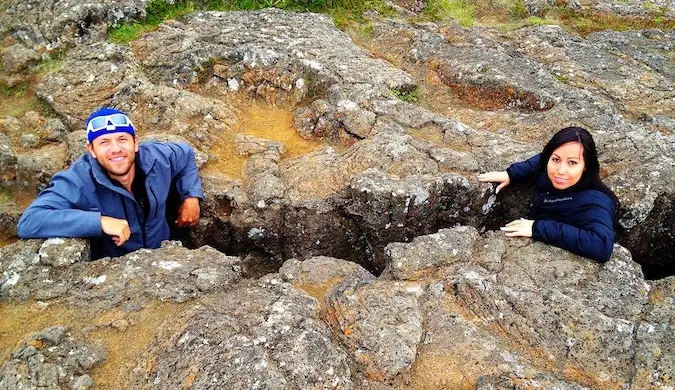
x,y
454,309
51,359
407,171
375,291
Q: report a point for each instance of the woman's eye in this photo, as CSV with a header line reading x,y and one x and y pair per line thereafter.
x,y
572,162
555,160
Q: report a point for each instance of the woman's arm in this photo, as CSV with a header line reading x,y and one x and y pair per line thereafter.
x,y
523,171
516,173
594,239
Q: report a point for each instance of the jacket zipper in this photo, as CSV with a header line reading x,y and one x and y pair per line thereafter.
x,y
126,216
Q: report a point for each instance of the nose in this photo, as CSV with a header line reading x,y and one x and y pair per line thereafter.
x,y
561,169
115,146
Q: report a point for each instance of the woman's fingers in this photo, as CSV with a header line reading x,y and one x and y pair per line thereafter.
x,y
519,228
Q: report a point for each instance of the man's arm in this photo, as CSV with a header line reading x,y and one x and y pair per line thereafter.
x,y
184,171
58,212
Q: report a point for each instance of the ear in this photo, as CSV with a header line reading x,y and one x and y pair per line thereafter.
x,y
90,147
135,143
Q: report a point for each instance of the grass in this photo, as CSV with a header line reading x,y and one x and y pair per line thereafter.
x,y
409,97
20,98
343,12
463,11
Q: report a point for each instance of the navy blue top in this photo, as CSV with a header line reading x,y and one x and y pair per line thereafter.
x,y
580,221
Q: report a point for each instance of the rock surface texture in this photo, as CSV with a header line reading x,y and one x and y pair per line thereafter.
x,y
453,310
368,260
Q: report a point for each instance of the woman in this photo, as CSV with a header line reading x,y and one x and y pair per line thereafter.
x,y
572,208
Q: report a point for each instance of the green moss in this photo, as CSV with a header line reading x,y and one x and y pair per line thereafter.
x,y
343,12
463,11
51,65
518,10
410,97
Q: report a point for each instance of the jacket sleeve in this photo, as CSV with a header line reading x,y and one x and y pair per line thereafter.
x,y
523,171
184,171
594,239
58,211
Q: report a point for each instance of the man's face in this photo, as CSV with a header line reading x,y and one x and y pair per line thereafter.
x,y
115,152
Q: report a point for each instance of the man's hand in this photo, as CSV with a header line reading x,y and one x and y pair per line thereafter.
x,y
519,228
188,213
496,177
117,228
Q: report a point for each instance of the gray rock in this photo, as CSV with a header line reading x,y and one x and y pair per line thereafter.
x,y
319,276
18,57
52,24
171,273
62,252
48,359
381,325
266,335
39,165
248,145
424,253
8,159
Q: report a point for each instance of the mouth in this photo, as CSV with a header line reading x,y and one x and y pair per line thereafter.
x,y
559,180
117,159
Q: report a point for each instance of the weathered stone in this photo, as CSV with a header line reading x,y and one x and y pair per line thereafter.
x,y
448,246
266,335
48,360
249,145
52,24
18,57
318,276
39,165
60,252
8,159
172,273
381,324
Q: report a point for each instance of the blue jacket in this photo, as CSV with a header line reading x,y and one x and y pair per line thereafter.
x,y
580,221
75,200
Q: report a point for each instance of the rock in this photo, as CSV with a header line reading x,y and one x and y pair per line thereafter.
x,y
18,57
319,276
249,145
8,159
266,335
381,325
60,252
54,24
39,165
172,273
448,246
48,359
82,382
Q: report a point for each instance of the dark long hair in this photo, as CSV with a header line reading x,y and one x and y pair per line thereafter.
x,y
590,178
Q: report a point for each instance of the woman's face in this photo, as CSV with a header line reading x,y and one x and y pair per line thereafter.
x,y
566,165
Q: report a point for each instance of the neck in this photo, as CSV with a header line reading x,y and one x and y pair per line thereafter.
x,y
127,179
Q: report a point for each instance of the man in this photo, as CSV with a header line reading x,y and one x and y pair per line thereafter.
x,y
117,193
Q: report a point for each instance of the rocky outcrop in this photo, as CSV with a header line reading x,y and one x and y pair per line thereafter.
x,y
51,359
540,79
454,309
46,25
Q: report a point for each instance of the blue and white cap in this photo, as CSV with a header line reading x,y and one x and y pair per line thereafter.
x,y
107,121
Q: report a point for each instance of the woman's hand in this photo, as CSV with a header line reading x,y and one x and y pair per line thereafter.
x,y
519,228
496,177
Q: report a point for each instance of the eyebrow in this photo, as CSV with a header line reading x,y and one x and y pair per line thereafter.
x,y
569,158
